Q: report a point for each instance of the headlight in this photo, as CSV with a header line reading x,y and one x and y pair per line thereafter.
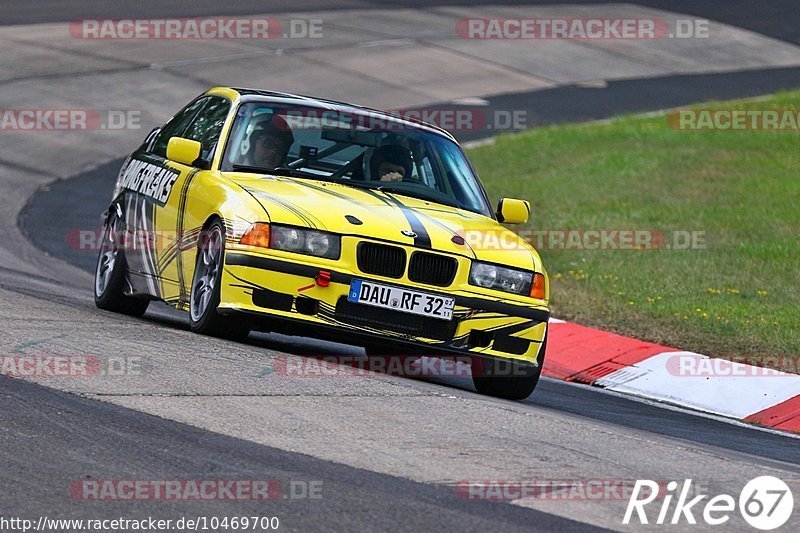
x,y
318,244
304,241
500,278
291,239
483,275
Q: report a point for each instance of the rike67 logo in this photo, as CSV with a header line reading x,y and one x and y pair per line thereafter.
x,y
766,503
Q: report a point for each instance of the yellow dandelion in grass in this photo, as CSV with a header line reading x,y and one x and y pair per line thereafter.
x,y
762,293
732,291
711,290
557,275
631,302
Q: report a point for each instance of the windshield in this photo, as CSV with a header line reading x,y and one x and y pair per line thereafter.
x,y
361,150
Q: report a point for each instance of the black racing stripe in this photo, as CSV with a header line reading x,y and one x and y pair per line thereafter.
x,y
297,269
422,239
450,230
371,192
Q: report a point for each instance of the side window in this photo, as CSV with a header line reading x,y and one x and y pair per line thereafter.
x,y
206,128
177,125
428,177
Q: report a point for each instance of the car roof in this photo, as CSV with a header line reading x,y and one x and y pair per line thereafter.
x,y
249,95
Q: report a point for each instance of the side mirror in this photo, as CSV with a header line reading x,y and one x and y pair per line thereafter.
x,y
182,150
513,211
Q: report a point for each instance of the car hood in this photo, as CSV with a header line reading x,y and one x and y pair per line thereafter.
x,y
346,210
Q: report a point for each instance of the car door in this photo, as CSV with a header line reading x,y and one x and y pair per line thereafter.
x,y
154,191
146,184
177,253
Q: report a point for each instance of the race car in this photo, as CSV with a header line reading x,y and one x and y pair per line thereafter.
x,y
260,210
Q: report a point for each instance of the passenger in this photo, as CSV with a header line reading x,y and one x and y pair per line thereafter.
x,y
390,163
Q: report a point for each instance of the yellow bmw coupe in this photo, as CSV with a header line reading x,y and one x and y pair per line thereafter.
x,y
276,212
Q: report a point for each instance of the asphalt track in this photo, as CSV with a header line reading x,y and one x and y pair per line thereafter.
x,y
128,443
50,438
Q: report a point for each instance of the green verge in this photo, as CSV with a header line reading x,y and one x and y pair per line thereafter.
x,y
737,296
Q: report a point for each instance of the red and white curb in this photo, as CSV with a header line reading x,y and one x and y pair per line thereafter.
x,y
629,366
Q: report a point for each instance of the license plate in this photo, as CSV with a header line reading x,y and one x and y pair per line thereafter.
x,y
404,300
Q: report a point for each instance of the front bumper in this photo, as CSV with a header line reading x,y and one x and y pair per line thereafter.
x,y
279,287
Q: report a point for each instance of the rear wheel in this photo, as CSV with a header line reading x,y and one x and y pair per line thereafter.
x,y
205,293
109,277
507,379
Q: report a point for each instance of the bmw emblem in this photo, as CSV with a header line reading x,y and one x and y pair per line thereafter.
x,y
408,233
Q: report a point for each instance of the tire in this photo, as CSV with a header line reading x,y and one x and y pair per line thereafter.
x,y
204,296
506,379
109,276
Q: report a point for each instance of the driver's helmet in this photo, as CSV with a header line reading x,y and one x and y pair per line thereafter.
x,y
274,126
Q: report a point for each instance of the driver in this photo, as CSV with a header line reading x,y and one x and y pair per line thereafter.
x,y
269,143
391,162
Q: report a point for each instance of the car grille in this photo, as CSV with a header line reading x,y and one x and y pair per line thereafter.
x,y
387,319
432,269
389,261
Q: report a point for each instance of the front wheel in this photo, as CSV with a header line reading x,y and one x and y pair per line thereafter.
x,y
205,293
507,379
109,276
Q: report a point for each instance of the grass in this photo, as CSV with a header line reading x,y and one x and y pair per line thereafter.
x,y
739,296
